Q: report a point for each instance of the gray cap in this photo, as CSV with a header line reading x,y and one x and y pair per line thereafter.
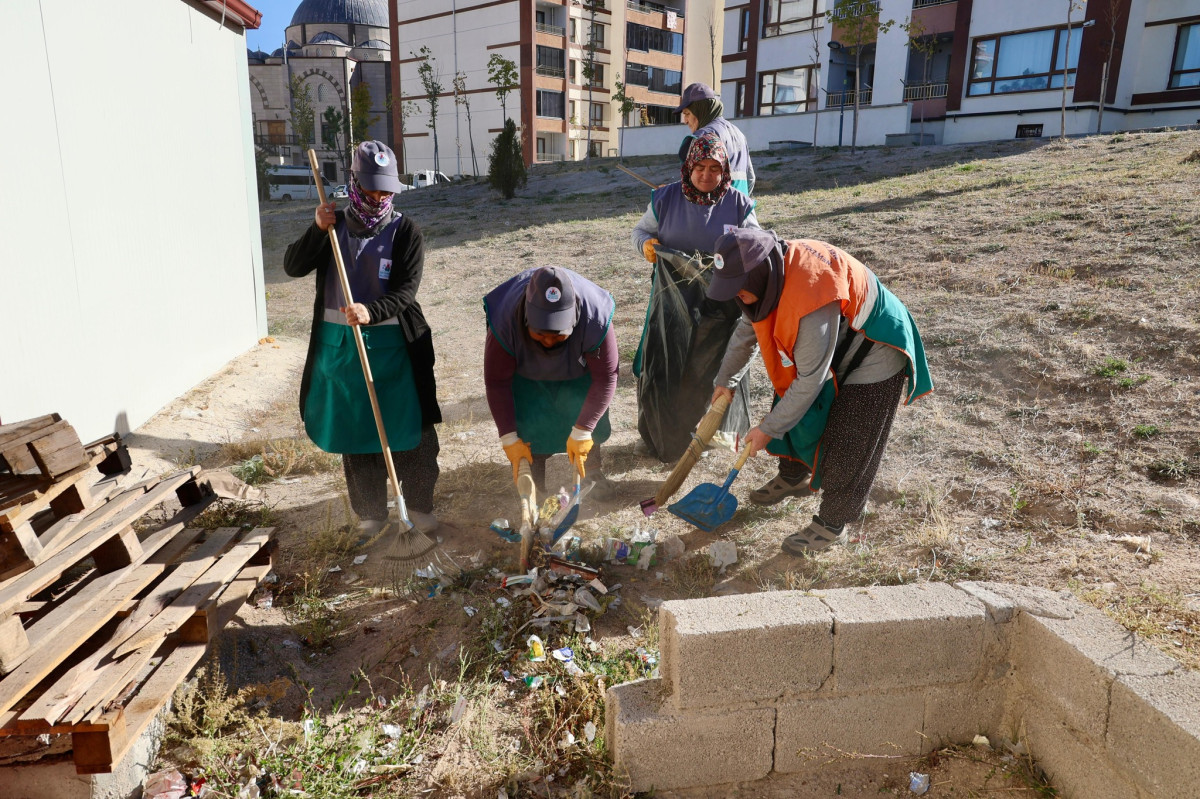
x,y
375,167
550,301
694,92
736,254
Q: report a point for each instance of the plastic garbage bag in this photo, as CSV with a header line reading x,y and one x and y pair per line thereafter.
x,y
683,341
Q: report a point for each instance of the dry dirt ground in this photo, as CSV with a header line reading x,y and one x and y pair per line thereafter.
x,y
1056,288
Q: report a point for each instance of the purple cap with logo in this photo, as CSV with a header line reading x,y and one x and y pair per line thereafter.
x,y
735,254
375,167
550,301
694,92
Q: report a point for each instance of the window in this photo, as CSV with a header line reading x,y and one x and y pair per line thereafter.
x,y
1029,131
640,37
597,116
322,93
1023,62
550,57
659,115
781,17
574,117
739,98
596,149
573,72
1185,69
656,79
597,75
744,31
786,91
571,30
597,35
550,104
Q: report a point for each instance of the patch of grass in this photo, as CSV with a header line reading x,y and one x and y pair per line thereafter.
x,y
235,513
695,574
1133,382
1162,616
256,461
1146,430
1171,469
990,248
1111,367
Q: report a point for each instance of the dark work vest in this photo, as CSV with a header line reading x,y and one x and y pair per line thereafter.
x,y
368,267
504,307
685,226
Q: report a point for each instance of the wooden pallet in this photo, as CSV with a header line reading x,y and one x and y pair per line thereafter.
x,y
106,656
46,445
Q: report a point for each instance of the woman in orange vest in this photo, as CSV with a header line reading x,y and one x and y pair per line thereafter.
x,y
840,350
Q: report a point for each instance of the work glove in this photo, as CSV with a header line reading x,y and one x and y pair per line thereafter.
x,y
579,444
516,450
648,250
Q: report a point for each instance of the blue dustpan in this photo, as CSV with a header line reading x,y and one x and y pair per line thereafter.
x,y
565,518
708,506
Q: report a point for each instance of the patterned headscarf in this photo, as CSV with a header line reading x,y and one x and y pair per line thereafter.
x,y
706,146
366,211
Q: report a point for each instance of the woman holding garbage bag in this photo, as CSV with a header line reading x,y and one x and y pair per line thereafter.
x,y
700,109
384,254
839,349
550,370
685,334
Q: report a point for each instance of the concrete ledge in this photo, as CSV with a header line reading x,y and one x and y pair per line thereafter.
x,y
791,681
701,640
904,636
655,747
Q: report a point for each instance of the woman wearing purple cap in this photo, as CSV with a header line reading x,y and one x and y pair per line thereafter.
x,y
700,109
550,369
384,254
839,349
687,216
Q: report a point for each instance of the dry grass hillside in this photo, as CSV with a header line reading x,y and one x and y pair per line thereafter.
x,y
1056,286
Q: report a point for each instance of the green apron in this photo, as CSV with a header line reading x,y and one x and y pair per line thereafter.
x,y
548,409
801,442
337,410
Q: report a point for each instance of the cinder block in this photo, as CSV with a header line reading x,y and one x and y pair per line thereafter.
x,y
955,714
737,649
810,733
1154,732
1003,600
1077,768
1070,664
658,747
904,636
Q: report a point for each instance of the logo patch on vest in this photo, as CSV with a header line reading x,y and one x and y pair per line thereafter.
x,y
385,268
785,360
553,294
730,228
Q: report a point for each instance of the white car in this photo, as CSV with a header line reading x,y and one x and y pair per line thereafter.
x,y
339,192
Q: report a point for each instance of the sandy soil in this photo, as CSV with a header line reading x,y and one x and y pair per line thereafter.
x,y
1029,267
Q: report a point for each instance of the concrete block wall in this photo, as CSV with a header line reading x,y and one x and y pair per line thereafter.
x,y
798,679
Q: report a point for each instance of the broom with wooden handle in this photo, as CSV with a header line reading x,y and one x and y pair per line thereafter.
x,y
409,543
704,433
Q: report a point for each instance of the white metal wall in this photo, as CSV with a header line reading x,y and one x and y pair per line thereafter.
x,y
132,265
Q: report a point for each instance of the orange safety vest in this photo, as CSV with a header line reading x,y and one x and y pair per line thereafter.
x,y
815,274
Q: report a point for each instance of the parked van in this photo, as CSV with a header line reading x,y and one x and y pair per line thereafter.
x,y
428,177
294,183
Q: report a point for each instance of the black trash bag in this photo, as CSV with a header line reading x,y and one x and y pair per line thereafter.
x,y
683,341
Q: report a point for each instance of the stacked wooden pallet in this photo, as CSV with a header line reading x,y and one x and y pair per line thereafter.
x,y
103,613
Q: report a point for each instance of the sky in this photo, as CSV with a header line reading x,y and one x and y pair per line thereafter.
x,y
276,14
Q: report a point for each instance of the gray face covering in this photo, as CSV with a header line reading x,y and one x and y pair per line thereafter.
x,y
764,281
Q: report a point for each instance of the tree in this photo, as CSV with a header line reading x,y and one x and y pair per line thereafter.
x,y
460,97
816,59
1072,6
589,74
859,24
625,104
920,41
431,81
506,168
304,121
502,73
1112,10
335,133
360,114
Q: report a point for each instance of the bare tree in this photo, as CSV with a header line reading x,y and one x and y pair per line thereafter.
x,y
1112,10
920,41
460,97
816,51
1072,7
589,74
431,80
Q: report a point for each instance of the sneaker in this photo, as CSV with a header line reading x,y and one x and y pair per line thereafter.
x,y
369,530
424,522
814,538
779,489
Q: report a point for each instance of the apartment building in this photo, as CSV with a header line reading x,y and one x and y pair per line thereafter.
x,y
954,70
568,55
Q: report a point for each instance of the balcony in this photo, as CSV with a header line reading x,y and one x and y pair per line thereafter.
x,y
926,91
837,99
550,72
543,158
552,30
651,8
927,3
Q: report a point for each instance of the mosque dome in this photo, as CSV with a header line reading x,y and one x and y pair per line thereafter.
x,y
375,44
327,38
342,12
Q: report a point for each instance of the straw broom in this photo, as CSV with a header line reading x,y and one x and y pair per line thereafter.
x,y
409,544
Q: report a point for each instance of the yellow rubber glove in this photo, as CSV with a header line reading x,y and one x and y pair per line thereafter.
x,y
516,452
648,250
579,444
